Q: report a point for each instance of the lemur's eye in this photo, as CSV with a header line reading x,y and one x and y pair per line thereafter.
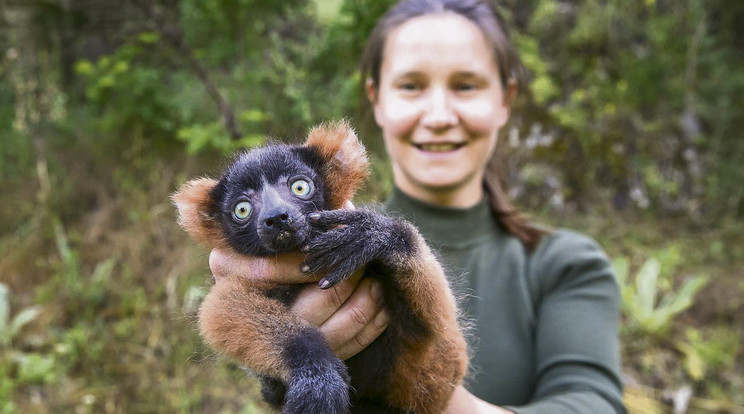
x,y
301,188
242,210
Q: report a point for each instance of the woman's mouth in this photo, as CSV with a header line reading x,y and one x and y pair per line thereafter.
x,y
440,147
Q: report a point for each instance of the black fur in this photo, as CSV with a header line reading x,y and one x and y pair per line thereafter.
x,y
286,294
249,178
273,391
360,236
319,382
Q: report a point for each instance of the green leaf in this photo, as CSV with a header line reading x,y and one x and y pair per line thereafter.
x,y
253,115
250,141
4,307
149,37
103,270
35,368
676,303
544,89
23,318
646,285
621,268
694,363
84,67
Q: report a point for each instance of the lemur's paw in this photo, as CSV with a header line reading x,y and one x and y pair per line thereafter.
x,y
314,394
347,240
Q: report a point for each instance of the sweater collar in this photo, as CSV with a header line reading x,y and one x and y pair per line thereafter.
x,y
445,226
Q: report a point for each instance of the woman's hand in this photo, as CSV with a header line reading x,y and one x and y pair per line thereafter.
x,y
463,401
350,314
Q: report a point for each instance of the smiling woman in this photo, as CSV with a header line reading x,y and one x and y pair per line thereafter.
x,y
440,103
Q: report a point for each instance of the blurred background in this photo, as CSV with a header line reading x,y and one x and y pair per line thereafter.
x,y
629,127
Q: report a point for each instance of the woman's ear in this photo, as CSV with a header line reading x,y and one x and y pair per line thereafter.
x,y
373,95
510,94
371,89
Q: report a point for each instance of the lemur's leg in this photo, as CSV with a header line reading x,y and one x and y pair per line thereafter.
x,y
279,345
434,357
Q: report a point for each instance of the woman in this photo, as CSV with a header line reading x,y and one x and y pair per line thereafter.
x,y
543,305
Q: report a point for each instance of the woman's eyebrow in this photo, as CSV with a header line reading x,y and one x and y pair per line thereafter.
x,y
409,74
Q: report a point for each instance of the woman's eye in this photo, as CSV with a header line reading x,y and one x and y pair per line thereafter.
x,y
301,188
409,86
242,210
464,87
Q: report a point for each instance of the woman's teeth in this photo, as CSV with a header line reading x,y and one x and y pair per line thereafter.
x,y
439,147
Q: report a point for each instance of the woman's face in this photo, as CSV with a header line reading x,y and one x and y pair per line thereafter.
x,y
440,105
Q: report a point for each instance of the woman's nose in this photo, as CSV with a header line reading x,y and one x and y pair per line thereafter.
x,y
439,112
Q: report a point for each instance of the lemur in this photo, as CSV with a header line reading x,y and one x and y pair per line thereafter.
x,y
284,197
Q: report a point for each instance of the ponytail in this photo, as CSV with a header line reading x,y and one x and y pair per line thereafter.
x,y
508,217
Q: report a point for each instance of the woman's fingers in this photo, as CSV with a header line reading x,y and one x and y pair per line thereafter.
x,y
365,337
358,322
350,314
318,305
282,268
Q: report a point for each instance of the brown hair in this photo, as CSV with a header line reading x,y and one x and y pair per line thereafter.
x,y
486,17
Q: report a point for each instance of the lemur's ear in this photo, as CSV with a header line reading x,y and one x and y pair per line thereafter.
x,y
196,212
346,164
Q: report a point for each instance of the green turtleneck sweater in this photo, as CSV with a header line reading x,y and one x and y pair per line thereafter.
x,y
543,324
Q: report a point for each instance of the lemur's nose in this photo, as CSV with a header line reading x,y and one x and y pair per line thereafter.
x,y
277,220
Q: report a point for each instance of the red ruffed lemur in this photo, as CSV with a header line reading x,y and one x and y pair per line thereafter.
x,y
283,197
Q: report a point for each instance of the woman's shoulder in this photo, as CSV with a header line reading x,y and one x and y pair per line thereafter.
x,y
565,242
566,256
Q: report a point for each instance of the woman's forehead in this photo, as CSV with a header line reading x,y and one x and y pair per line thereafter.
x,y
440,41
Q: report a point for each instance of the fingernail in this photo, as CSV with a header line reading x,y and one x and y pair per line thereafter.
x,y
313,216
305,269
324,284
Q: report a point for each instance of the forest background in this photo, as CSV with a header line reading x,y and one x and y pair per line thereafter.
x,y
628,127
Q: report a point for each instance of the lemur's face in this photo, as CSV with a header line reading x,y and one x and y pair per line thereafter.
x,y
265,196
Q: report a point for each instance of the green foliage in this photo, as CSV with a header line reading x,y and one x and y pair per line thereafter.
x,y
632,92
128,90
30,368
703,356
648,304
84,294
199,138
11,327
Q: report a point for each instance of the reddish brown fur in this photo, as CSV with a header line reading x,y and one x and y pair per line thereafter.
x,y
229,321
347,166
427,373
237,318
192,201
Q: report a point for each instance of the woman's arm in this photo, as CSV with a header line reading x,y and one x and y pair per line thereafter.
x,y
576,333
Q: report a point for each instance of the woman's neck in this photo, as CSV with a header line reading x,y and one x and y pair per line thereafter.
x,y
462,196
